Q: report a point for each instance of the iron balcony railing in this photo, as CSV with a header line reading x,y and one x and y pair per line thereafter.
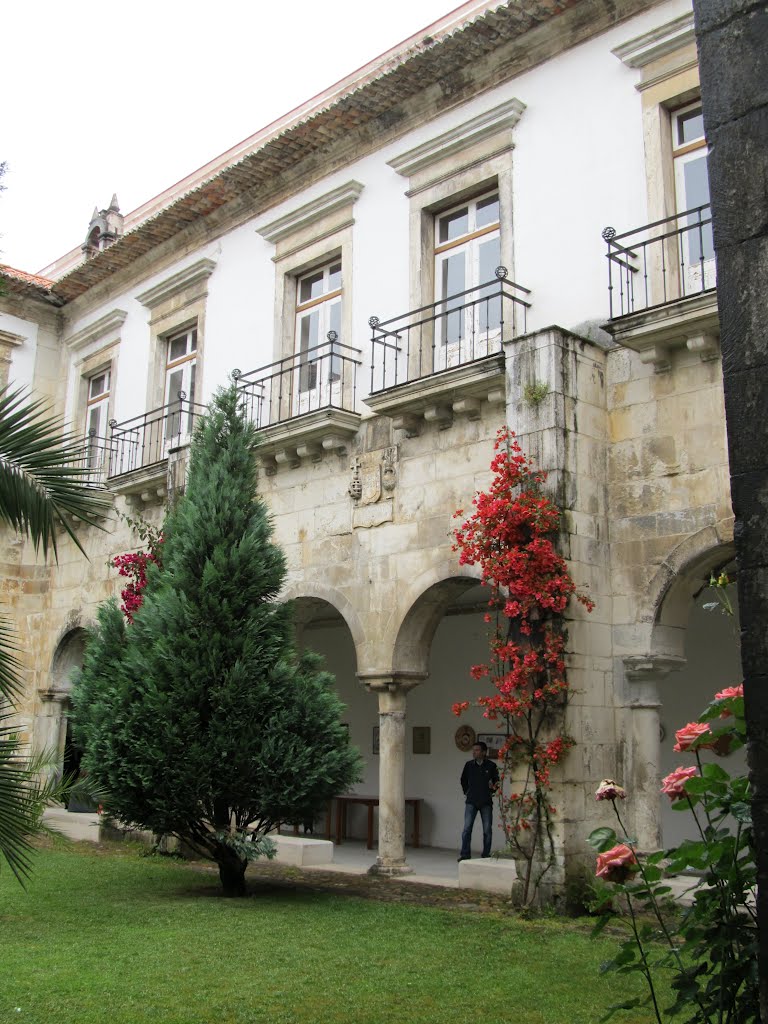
x,y
660,262
94,458
147,440
458,329
321,377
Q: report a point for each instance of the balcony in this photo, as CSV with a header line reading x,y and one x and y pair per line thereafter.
x,y
141,450
447,357
662,286
303,405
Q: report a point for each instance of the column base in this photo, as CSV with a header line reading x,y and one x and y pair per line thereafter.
x,y
390,869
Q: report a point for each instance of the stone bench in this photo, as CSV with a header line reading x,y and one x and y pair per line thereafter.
x,y
489,874
300,851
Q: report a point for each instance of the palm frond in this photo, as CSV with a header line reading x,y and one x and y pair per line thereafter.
x,y
10,683
44,475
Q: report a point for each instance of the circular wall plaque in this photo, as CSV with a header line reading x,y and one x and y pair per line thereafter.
x,y
465,737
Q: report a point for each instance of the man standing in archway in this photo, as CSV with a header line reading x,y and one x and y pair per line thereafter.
x,y
479,780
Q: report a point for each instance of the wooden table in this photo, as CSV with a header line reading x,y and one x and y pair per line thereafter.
x,y
343,803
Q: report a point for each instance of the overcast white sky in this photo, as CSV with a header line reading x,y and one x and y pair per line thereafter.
x,y
131,96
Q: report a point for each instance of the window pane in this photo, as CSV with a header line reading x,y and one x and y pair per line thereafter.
x,y
696,182
452,279
191,414
453,225
193,340
310,327
690,126
177,347
94,420
174,386
334,277
700,241
99,385
488,211
335,325
311,287
489,311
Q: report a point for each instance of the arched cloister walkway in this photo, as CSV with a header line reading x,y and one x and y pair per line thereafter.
x,y
693,653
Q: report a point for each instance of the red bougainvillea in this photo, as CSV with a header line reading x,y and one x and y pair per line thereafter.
x,y
133,566
509,535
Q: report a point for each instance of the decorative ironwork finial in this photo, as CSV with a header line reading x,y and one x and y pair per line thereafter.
x,y
332,336
235,375
92,432
501,273
373,321
608,234
112,424
182,395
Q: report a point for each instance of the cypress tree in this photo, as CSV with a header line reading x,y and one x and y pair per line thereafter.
x,y
200,719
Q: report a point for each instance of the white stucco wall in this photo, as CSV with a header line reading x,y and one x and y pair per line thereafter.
x,y
578,165
22,368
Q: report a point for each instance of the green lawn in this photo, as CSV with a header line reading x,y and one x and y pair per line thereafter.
x,y
124,939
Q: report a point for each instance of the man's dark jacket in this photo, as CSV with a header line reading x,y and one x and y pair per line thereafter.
x,y
479,782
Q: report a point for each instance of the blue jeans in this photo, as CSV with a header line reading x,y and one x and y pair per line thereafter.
x,y
486,816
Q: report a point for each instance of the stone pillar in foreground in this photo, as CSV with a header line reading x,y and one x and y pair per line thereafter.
x,y
392,693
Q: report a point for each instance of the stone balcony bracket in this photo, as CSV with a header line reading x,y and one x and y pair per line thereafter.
x,y
307,438
691,323
441,397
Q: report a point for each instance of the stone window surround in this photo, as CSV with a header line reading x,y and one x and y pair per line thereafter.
x,y
8,342
469,159
176,304
669,79
307,237
101,340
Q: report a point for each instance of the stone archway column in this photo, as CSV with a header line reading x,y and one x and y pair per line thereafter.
x,y
392,693
49,728
643,675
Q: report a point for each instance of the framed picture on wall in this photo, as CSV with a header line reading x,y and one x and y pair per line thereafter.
x,y
421,739
493,740
375,744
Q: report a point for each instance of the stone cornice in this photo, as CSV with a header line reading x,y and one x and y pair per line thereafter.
x,y
659,42
12,340
99,330
501,118
310,213
171,286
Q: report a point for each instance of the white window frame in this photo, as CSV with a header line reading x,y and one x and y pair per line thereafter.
x,y
691,248
181,369
468,334
97,408
319,365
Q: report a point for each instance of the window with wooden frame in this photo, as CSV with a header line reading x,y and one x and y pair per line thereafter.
x,y
180,365
318,312
689,153
467,253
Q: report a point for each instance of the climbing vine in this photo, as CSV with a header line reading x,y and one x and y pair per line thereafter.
x,y
133,565
509,536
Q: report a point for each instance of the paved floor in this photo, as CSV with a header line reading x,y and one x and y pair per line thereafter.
x,y
431,866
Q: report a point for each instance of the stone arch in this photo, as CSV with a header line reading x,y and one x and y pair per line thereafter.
x,y
425,604
675,584
307,592
67,657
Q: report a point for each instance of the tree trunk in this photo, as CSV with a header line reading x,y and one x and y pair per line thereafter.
x,y
732,38
232,872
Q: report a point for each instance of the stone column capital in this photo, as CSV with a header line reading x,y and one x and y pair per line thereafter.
x,y
651,667
391,682
54,697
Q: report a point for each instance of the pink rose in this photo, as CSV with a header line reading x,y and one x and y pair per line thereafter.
x,y
673,786
610,790
616,864
730,691
688,735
